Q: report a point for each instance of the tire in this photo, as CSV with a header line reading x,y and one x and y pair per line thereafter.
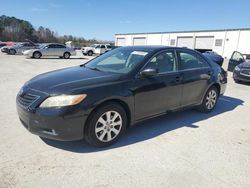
x,y
236,81
90,53
66,55
37,55
12,52
210,100
101,133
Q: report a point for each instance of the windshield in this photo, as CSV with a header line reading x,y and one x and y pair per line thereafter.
x,y
120,60
93,45
42,46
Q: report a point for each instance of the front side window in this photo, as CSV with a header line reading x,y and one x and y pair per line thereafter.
x,y
191,61
51,46
120,60
163,62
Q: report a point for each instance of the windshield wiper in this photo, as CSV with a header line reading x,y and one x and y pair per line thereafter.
x,y
94,68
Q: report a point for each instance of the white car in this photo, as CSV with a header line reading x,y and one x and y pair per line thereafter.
x,y
96,49
51,49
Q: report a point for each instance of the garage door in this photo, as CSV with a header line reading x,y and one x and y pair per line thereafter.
x,y
204,43
185,42
120,42
139,41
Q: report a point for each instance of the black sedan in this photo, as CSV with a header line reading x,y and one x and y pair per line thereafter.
x,y
98,101
242,72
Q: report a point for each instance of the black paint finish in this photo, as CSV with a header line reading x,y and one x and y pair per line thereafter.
x,y
142,97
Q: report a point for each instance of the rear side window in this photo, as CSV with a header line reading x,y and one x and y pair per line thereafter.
x,y
60,46
191,61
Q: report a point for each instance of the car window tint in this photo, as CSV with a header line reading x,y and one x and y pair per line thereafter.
x,y
51,46
191,61
163,62
102,46
60,46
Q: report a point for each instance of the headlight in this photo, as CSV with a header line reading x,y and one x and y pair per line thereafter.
x,y
237,68
63,100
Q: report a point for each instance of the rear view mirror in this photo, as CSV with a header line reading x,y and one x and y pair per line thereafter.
x,y
149,73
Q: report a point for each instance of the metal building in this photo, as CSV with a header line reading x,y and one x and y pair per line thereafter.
x,y
224,42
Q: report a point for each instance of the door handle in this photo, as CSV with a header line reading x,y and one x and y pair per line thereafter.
x,y
178,79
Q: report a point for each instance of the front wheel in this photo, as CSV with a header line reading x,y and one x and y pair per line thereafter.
x,y
37,55
66,55
106,125
209,100
12,52
90,53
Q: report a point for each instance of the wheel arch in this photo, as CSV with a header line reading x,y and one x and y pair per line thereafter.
x,y
217,85
36,51
120,102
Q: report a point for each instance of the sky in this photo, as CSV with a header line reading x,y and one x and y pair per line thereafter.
x,y
101,19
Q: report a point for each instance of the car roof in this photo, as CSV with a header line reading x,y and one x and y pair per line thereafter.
x,y
153,47
54,43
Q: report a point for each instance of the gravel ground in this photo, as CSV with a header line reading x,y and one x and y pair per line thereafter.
x,y
183,149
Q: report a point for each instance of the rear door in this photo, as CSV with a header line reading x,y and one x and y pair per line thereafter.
x,y
161,93
60,49
235,60
196,74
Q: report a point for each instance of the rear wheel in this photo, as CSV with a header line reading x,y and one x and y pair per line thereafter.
x,y
106,125
37,55
209,100
90,53
12,52
66,55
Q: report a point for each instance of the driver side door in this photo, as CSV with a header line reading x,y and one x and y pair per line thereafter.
x,y
158,94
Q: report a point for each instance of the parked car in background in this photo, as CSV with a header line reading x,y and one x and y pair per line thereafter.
x,y
99,100
236,59
51,49
214,57
241,72
2,44
5,48
21,47
96,49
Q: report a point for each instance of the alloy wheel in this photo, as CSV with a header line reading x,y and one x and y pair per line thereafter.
x,y
211,99
108,126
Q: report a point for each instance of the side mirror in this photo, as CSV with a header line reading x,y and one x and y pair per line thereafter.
x,y
149,73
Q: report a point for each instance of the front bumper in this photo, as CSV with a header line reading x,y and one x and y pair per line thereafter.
x,y
65,124
241,77
4,50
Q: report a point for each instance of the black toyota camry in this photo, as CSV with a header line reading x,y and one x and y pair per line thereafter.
x,y
99,100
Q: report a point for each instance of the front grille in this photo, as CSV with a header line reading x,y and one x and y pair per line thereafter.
x,y
245,72
27,99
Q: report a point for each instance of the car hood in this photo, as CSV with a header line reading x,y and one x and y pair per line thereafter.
x,y
70,80
245,64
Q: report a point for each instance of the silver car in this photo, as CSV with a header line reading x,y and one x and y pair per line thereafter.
x,y
19,48
51,49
